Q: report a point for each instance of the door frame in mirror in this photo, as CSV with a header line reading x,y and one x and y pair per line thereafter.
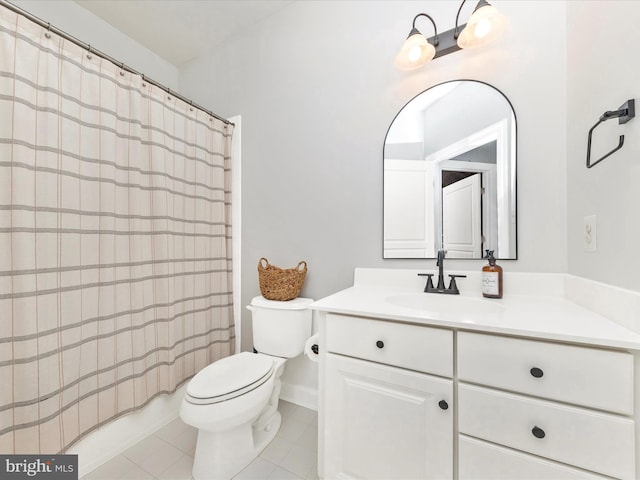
x,y
494,179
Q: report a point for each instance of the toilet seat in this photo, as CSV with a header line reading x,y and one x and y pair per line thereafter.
x,y
229,378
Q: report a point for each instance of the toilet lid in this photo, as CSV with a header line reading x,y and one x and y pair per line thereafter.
x,y
229,375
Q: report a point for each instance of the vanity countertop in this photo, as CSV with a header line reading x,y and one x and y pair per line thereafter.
x,y
542,316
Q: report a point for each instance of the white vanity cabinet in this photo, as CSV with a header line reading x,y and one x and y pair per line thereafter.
x,y
402,400
387,402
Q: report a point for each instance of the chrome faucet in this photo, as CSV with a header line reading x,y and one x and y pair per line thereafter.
x,y
440,288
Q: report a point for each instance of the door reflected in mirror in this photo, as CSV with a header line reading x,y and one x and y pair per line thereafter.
x,y
450,174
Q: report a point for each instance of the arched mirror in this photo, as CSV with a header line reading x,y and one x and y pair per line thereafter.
x,y
450,174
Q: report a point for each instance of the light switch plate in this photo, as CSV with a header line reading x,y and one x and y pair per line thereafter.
x,y
589,231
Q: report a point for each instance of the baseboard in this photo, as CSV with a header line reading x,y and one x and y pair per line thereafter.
x,y
118,436
300,395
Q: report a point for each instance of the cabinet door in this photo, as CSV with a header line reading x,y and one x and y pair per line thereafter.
x,y
385,422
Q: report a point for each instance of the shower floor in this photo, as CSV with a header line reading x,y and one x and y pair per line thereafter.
x,y
168,453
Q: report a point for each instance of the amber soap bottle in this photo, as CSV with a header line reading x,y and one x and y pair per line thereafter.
x,y
492,278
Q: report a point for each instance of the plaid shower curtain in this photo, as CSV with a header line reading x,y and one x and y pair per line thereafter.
x,y
115,240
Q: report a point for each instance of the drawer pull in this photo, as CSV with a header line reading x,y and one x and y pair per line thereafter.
x,y
443,404
538,432
379,344
536,372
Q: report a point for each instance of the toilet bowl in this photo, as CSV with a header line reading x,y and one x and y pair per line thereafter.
x,y
233,402
234,421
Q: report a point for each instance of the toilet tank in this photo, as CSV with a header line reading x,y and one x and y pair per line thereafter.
x,y
281,328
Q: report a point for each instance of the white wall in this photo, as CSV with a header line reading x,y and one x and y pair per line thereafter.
x,y
88,28
317,90
603,72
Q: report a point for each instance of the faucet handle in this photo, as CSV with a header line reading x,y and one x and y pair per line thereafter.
x,y
453,287
429,286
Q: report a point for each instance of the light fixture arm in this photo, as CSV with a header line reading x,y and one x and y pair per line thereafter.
x,y
414,30
455,31
480,4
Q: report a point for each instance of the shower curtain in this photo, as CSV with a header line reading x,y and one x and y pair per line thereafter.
x,y
115,240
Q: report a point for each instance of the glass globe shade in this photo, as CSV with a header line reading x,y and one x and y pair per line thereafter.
x,y
415,52
485,25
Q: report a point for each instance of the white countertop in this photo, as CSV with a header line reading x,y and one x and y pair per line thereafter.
x,y
542,316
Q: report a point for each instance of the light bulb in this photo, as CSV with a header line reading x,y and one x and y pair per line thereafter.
x,y
414,53
482,28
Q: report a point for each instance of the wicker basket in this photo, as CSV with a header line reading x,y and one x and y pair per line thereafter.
x,y
280,283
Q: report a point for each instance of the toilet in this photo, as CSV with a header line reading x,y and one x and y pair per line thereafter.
x,y
233,402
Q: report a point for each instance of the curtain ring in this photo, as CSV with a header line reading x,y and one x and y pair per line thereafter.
x,y
122,69
191,107
89,56
48,32
144,83
169,92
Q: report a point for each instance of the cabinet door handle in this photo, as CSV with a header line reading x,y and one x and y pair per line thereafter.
x,y
536,372
379,344
443,404
538,432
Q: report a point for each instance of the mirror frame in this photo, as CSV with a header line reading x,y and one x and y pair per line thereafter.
x,y
513,180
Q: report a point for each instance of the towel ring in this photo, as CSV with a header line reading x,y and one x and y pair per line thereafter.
x,y
625,113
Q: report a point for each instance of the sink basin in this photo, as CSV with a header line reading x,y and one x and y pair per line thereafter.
x,y
445,305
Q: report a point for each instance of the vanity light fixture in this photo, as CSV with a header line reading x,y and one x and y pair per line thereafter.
x,y
485,25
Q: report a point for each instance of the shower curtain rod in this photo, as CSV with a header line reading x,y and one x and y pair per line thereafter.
x,y
89,48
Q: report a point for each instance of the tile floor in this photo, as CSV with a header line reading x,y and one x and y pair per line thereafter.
x,y
168,453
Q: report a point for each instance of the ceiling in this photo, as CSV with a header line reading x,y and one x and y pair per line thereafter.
x,y
180,30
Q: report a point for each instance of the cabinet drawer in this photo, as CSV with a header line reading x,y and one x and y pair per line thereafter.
x,y
415,347
595,441
485,461
595,378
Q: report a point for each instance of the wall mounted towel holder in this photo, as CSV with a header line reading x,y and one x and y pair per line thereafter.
x,y
625,113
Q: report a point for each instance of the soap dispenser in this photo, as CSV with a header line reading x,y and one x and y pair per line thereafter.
x,y
492,278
